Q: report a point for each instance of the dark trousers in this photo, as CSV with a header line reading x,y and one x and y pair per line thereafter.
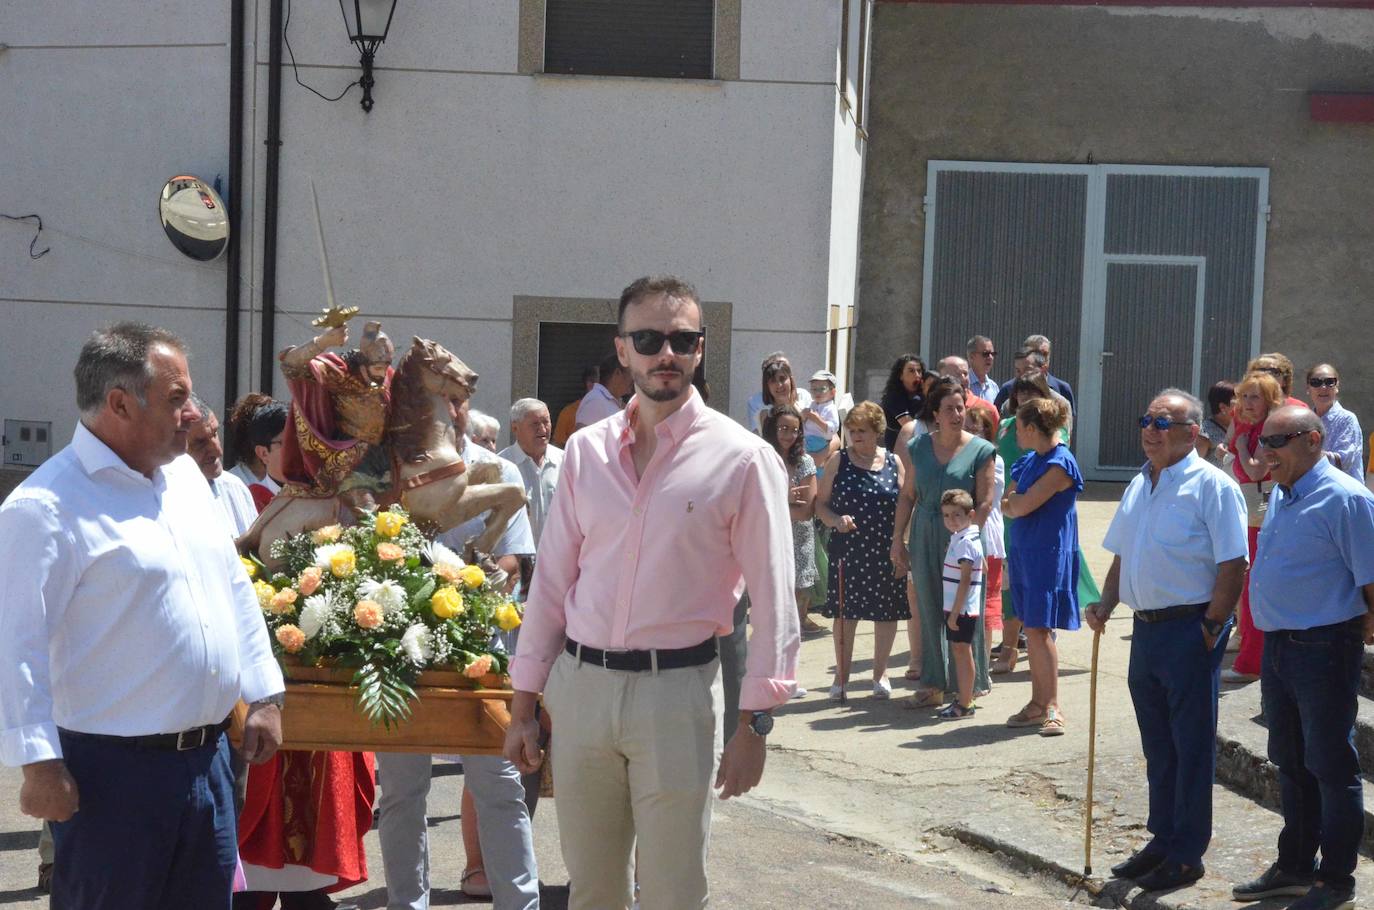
x,y
1309,683
1174,681
156,828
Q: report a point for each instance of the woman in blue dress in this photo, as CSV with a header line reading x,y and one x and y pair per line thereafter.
x,y
1044,537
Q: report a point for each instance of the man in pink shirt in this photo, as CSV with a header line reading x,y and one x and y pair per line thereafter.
x,y
660,512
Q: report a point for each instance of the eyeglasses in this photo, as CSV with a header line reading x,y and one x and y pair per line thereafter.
x,y
1322,382
986,353
1164,423
1279,440
650,341
1272,371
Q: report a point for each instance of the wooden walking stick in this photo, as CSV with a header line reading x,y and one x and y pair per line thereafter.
x,y
841,663
1092,755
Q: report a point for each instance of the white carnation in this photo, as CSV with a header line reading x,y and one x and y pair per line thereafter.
x,y
437,553
314,614
324,553
388,595
418,643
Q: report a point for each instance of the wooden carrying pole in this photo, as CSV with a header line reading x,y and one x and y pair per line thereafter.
x,y
1092,756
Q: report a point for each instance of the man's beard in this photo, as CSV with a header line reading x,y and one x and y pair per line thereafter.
x,y
642,386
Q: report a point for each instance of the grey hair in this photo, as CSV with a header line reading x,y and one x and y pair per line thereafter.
x,y
117,358
478,421
524,408
1193,410
975,341
206,412
1036,341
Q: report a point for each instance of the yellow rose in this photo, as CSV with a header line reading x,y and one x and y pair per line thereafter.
x,y
265,593
284,601
249,566
447,603
343,563
472,577
389,524
327,534
507,617
290,638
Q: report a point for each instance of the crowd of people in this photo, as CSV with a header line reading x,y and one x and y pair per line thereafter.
x,y
949,505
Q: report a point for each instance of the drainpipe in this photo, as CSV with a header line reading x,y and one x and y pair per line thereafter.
x,y
232,290
272,174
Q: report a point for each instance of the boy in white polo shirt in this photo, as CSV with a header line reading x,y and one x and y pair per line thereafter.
x,y
963,583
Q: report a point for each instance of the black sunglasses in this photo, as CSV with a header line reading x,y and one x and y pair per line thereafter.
x,y
1279,440
649,342
1322,382
1164,423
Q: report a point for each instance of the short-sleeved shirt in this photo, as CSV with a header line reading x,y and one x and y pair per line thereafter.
x,y
827,411
964,547
895,407
1315,552
1171,536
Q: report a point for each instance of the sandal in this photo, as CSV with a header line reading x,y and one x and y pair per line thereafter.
x,y
475,890
1053,725
1005,662
956,711
1024,717
924,698
912,675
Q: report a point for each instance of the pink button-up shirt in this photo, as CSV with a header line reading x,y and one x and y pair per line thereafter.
x,y
657,562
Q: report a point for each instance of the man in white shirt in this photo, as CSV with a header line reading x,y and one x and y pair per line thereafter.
x,y
504,804
981,355
606,396
1180,548
537,460
128,630
203,445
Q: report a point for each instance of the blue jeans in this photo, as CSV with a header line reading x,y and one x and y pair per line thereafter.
x,y
1309,683
1174,681
156,829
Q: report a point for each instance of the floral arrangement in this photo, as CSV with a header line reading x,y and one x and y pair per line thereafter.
x,y
382,597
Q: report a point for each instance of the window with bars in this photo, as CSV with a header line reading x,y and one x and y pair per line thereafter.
x,y
664,38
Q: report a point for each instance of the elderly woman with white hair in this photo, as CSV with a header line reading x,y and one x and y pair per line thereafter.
x,y
483,429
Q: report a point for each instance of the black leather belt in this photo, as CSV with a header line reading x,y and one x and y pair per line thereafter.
x,y
184,741
639,661
1168,613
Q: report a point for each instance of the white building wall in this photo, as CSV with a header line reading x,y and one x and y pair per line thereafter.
x,y
468,184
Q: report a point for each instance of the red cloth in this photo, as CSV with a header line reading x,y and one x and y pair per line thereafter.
x,y
314,402
310,809
992,602
261,495
1251,651
973,401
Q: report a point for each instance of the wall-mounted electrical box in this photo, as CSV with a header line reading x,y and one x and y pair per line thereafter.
x,y
28,443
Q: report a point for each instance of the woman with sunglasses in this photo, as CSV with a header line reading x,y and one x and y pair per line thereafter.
x,y
1256,395
1344,443
782,429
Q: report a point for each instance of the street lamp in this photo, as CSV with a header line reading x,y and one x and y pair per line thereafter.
x,y
367,22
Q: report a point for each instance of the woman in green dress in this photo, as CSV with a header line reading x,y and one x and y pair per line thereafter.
x,y
947,458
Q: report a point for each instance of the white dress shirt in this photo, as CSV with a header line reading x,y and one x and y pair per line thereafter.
x,y
540,481
1170,539
598,404
122,610
241,471
516,539
985,389
236,500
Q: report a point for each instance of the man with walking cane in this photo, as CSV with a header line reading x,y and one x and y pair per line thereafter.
x,y
1180,549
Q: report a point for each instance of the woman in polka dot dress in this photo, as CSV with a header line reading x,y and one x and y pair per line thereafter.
x,y
857,500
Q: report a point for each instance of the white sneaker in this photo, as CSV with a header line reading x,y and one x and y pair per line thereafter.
x,y
1235,678
836,690
882,688
800,693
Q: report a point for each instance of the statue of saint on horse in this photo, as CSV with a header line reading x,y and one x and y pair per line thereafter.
x,y
360,434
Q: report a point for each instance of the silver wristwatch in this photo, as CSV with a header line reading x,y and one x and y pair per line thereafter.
x,y
278,699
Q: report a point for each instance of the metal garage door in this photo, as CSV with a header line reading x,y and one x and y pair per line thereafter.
x,y
1142,276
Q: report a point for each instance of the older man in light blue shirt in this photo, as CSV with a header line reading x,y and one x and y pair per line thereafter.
x,y
1312,593
1180,552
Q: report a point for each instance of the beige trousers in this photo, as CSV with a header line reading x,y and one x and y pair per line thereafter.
x,y
634,760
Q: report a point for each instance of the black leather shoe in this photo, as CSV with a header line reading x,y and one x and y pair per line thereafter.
x,y
1273,883
1324,897
1138,865
1169,875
